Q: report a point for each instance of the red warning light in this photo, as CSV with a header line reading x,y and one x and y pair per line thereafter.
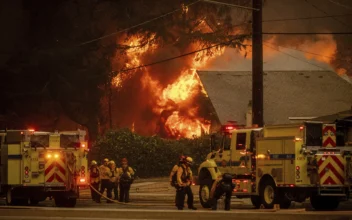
x,y
301,128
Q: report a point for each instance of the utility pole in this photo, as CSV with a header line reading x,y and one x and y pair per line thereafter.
x,y
257,64
110,98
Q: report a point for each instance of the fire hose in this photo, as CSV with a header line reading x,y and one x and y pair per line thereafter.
x,y
122,203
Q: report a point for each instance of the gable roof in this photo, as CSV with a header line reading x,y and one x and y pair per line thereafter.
x,y
339,116
286,94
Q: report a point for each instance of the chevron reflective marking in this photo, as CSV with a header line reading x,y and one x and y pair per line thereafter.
x,y
55,170
331,169
329,135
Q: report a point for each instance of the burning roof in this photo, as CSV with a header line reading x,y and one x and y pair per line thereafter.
x,y
286,94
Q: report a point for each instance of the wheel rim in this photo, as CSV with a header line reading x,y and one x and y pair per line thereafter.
x,y
205,193
269,194
8,197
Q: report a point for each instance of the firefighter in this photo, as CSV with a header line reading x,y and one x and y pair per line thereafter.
x,y
126,177
114,178
223,185
94,180
173,173
173,176
184,182
105,175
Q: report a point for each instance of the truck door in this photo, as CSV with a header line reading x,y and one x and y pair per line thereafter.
x,y
241,159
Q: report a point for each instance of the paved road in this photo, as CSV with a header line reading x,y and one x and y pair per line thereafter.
x,y
155,200
105,213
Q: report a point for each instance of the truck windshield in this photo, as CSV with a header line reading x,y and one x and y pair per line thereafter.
x,y
39,140
69,141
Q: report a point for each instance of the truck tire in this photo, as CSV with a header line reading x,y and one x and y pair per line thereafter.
x,y
324,203
268,193
256,202
71,202
59,201
204,192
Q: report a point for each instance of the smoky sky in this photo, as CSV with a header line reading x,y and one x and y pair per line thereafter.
x,y
133,103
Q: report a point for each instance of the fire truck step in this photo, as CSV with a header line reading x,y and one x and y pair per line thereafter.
x,y
332,194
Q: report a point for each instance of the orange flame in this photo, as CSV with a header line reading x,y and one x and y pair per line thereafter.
x,y
176,98
325,46
134,52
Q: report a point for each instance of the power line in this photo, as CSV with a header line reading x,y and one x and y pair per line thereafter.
x,y
308,52
306,18
316,7
287,54
340,4
137,25
176,57
231,5
306,33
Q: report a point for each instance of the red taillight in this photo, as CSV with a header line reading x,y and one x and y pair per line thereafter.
x,y
292,185
298,168
301,128
26,172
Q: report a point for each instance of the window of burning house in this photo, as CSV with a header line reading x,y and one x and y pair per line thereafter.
x,y
69,141
314,134
39,140
241,141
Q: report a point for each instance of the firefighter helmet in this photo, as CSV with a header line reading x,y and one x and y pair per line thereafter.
x,y
189,161
111,162
93,163
106,160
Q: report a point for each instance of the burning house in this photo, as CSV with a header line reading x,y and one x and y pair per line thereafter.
x,y
287,94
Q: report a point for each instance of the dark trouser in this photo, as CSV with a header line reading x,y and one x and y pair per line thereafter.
x,y
125,192
94,194
116,192
217,194
106,184
180,197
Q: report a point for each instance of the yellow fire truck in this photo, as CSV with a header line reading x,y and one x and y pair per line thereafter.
x,y
279,164
37,165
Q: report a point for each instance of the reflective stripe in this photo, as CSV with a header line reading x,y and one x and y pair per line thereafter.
x,y
331,169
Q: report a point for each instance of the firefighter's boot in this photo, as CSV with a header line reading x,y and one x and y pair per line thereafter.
x,y
214,205
227,204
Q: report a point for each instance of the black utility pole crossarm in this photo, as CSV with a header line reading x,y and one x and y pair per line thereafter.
x,y
257,65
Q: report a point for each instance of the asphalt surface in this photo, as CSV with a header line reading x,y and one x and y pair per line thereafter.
x,y
154,199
